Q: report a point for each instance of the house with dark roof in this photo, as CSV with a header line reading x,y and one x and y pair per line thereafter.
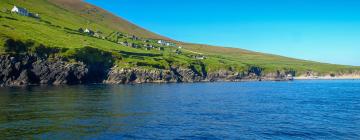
x,y
20,10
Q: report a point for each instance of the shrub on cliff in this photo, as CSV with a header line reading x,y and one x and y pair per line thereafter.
x,y
31,47
199,68
17,46
43,51
91,56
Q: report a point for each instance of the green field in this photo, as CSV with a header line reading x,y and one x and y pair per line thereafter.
x,y
56,34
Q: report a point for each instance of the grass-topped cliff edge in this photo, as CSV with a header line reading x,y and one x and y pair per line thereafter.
x,y
77,31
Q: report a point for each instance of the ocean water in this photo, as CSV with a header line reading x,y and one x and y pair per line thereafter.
x,y
243,110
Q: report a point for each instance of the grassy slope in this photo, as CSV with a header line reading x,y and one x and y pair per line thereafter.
x,y
101,17
61,18
268,61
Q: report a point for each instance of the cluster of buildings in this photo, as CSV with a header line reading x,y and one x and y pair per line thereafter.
x,y
147,43
148,46
178,50
165,43
24,12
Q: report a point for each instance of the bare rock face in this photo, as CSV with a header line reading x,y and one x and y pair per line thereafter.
x,y
59,72
223,75
31,70
125,76
137,75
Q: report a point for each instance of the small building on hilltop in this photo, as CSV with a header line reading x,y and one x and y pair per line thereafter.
x,y
134,37
160,42
88,31
20,10
148,46
200,57
165,43
24,12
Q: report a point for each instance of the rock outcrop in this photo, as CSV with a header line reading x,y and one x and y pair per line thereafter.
x,y
22,70
137,75
30,70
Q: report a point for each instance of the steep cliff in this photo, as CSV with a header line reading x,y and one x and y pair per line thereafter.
x,y
22,70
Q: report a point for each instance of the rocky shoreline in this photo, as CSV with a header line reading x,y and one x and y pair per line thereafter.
x,y
23,70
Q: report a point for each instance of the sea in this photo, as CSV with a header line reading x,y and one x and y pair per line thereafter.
x,y
300,109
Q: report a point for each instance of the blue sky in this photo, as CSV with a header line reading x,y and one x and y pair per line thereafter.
x,y
320,30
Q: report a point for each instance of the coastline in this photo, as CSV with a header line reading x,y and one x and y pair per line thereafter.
x,y
202,81
24,70
327,78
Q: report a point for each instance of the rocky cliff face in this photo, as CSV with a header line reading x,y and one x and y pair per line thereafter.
x,y
31,70
21,70
136,75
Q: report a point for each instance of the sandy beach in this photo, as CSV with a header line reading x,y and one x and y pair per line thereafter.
x,y
345,77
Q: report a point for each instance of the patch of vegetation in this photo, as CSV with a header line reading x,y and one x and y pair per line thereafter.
x,y
17,46
151,65
91,56
127,54
29,46
199,68
43,51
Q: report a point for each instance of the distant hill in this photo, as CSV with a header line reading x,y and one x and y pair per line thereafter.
x,y
69,26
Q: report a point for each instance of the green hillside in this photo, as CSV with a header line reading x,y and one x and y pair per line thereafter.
x,y
59,32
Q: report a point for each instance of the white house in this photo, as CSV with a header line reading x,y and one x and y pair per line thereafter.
x,y
160,42
87,30
19,10
200,57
